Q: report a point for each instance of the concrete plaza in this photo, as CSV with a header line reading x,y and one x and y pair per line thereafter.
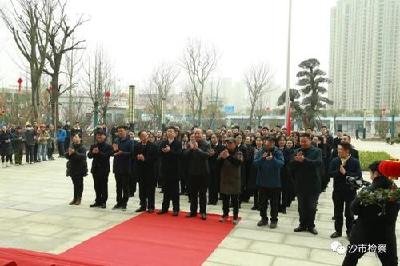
x,y
35,215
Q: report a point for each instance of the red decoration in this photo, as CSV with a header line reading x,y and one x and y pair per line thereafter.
x,y
288,123
19,84
390,169
107,94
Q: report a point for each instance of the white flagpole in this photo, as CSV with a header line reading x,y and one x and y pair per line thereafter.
x,y
288,66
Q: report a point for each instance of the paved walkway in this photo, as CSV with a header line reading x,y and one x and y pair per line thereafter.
x,y
35,215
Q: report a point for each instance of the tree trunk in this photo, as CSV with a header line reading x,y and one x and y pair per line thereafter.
x,y
251,115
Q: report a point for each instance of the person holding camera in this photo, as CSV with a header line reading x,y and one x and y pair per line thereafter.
x,y
377,207
269,163
343,192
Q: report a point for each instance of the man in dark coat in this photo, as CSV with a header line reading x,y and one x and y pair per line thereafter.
x,y
18,145
29,137
145,157
269,163
375,227
5,146
170,152
343,192
229,162
101,153
213,189
305,168
122,167
198,170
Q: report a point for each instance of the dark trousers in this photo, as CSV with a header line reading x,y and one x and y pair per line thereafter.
x,y
147,190
122,181
286,193
35,152
226,200
171,193
101,187
213,188
61,148
256,199
66,144
271,196
18,155
338,203
30,152
78,186
197,196
50,149
388,258
307,207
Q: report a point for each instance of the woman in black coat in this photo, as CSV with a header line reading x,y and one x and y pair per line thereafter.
x,y
76,168
5,146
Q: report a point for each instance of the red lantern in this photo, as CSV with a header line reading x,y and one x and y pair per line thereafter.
x,y
390,168
107,95
19,84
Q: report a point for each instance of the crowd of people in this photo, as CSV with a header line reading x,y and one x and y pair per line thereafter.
x,y
267,167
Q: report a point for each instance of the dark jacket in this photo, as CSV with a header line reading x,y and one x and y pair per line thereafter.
x,y
170,160
230,179
122,163
145,169
197,161
101,160
373,225
5,142
30,136
18,141
77,165
252,176
306,174
269,171
340,187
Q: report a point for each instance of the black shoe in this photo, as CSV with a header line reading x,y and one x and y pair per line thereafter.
x,y
204,216
283,211
94,205
150,210
254,208
273,225
262,222
116,207
300,229
162,212
123,208
336,235
175,213
313,231
103,206
191,215
141,209
333,218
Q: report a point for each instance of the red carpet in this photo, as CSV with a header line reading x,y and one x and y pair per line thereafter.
x,y
151,239
18,257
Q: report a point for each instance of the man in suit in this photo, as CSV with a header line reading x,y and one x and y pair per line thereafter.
x,y
343,192
305,168
123,154
198,170
100,153
145,157
170,152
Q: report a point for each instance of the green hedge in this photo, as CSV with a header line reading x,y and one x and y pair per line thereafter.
x,y
368,157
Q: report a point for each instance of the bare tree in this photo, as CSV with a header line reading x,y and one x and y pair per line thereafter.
x,y
191,100
61,41
199,62
159,88
29,22
73,63
258,81
99,82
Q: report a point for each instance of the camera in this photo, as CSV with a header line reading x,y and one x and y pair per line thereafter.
x,y
356,182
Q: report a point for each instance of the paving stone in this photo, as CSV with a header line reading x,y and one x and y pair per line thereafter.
x,y
265,234
235,243
279,250
234,257
305,239
293,262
